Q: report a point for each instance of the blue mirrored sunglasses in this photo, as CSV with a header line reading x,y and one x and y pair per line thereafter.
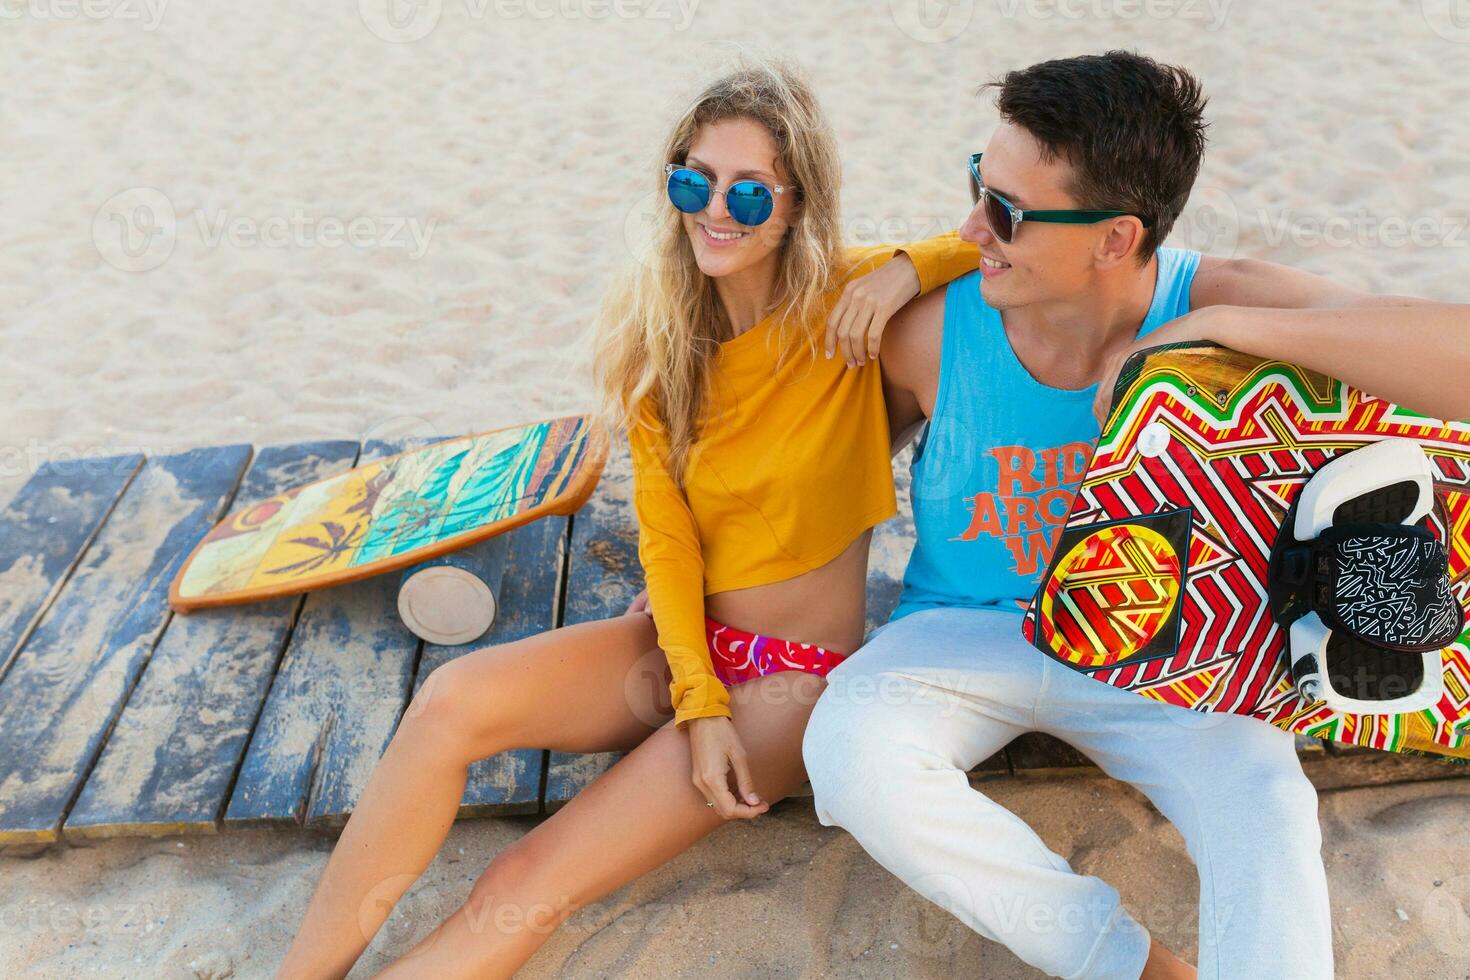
x,y
749,201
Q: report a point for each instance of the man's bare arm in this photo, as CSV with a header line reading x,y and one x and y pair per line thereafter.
x,y
1253,282
1414,352
910,360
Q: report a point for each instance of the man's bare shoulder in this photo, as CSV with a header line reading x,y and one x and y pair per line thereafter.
x,y
1223,281
913,338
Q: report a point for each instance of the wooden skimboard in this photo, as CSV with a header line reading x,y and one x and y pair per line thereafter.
x,y
1158,582
394,512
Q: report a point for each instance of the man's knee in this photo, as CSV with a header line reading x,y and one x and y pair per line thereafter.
x,y
1286,799
1275,803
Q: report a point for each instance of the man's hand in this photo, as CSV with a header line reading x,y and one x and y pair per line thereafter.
x,y
715,749
857,321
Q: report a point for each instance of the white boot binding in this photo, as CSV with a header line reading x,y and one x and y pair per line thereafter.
x,y
1362,584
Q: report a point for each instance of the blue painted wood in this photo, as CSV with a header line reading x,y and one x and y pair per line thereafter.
x,y
88,647
526,581
889,552
339,691
43,532
61,698
172,756
603,576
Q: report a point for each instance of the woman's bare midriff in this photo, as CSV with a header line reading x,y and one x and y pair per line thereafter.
x,y
825,606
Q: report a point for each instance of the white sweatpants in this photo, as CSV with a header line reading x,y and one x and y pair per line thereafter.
x,y
937,692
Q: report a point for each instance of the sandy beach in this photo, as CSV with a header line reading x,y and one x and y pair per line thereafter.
x,y
276,222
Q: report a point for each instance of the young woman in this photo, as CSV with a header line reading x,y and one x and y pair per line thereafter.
x,y
761,464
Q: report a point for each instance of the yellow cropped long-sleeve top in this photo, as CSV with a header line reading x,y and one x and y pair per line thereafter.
x,y
794,467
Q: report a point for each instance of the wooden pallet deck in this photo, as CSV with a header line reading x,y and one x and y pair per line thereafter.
x,y
118,717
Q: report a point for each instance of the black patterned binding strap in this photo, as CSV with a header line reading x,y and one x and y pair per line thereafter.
x,y
1385,584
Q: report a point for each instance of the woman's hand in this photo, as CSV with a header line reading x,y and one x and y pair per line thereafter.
x,y
857,321
639,604
714,747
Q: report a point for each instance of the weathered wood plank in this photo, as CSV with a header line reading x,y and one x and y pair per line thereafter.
x,y
60,699
337,696
43,532
525,575
1350,766
339,691
1040,754
888,554
169,762
602,576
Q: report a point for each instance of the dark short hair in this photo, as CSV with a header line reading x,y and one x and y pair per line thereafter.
x,y
1132,129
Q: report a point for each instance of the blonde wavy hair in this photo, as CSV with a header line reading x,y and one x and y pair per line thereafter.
x,y
659,328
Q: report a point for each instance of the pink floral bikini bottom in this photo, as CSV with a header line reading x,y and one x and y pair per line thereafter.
x,y
740,656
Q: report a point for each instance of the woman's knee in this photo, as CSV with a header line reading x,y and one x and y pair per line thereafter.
x,y
457,710
518,892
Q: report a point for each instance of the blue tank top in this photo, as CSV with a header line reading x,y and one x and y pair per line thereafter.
x,y
1001,457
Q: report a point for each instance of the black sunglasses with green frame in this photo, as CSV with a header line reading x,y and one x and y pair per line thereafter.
x,y
1005,216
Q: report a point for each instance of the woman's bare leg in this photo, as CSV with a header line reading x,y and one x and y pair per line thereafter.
x,y
593,687
631,819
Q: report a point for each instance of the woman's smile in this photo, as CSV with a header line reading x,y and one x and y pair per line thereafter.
x,y
721,237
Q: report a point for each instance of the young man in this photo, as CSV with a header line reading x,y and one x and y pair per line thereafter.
x,y
1011,367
